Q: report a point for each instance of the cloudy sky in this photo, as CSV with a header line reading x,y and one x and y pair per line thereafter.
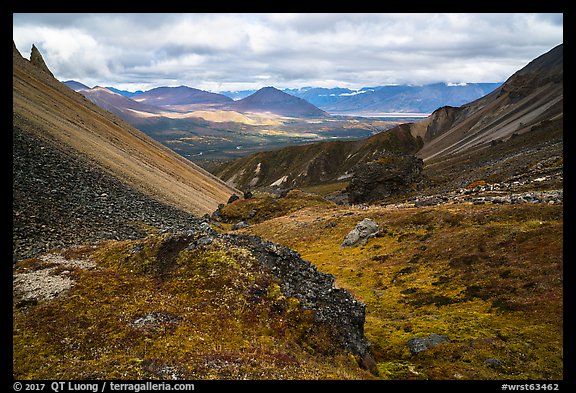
x,y
220,51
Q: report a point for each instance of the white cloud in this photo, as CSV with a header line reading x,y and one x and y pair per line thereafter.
x,y
236,51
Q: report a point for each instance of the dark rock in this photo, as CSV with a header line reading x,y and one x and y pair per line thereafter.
x,y
282,193
37,60
419,344
315,290
240,225
493,362
233,198
367,362
200,242
136,248
216,215
432,201
339,198
390,175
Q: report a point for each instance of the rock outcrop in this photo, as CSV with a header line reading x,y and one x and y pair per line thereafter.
x,y
37,60
390,175
419,344
315,290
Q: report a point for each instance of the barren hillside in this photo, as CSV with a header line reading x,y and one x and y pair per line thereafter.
x,y
510,132
531,96
42,105
82,174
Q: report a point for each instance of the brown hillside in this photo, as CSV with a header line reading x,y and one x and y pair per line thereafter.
x,y
316,163
44,106
513,133
531,96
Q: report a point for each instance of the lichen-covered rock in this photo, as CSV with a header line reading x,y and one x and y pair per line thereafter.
x,y
364,230
419,344
240,225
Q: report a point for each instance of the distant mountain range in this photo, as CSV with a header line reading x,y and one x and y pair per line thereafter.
x,y
270,99
367,101
188,99
386,99
401,98
179,96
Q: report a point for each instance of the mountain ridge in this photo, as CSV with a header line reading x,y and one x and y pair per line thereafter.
x,y
407,98
531,95
375,100
179,96
188,99
270,99
53,118
315,163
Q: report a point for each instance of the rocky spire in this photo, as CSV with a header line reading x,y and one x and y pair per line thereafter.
x,y
15,50
37,60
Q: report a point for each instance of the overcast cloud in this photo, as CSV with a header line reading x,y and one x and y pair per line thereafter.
x,y
219,51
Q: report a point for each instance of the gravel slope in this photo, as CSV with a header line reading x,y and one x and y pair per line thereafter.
x,y
60,200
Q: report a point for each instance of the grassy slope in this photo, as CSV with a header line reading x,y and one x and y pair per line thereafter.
x,y
218,316
489,277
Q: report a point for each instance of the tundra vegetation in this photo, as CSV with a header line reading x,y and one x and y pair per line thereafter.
x,y
168,307
488,278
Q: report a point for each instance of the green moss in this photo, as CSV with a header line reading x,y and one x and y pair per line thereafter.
x,y
265,206
327,188
488,277
154,309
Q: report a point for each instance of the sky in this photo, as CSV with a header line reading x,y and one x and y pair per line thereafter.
x,y
247,51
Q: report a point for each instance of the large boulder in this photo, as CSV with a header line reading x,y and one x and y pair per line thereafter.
x,y
389,175
364,230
